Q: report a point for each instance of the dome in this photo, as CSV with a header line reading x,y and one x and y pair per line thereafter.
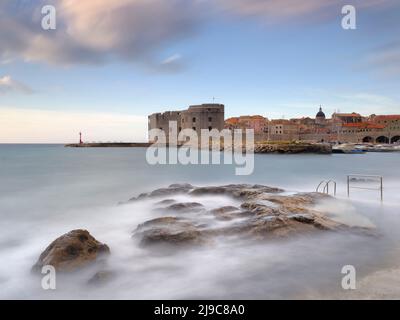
x,y
320,113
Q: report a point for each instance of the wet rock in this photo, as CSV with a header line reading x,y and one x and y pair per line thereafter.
x,y
165,202
304,218
226,213
165,236
224,209
173,189
164,221
101,277
259,209
185,206
264,213
235,190
72,251
168,231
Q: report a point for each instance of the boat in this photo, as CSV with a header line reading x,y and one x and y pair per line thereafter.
x,y
348,149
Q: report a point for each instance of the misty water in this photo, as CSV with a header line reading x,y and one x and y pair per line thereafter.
x,y
48,190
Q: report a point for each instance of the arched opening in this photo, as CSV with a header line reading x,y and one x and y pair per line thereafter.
x,y
395,139
382,139
368,139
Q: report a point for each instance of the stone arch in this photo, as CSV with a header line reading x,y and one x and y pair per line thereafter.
x,y
395,139
368,139
382,139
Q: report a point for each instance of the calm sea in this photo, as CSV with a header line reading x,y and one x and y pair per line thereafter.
x,y
47,190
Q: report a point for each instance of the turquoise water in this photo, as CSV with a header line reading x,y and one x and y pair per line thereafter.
x,y
47,190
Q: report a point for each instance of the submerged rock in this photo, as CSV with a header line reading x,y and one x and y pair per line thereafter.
x,y
185,206
101,277
173,189
235,190
168,231
72,251
166,201
226,213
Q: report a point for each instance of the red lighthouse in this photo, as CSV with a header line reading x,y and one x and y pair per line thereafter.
x,y
80,138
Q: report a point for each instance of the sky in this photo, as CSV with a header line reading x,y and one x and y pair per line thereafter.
x,y
109,64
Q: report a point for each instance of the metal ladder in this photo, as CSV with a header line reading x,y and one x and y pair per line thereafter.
x,y
325,184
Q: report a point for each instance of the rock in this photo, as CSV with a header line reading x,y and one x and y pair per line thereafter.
x,y
163,221
264,213
101,277
164,236
72,251
173,189
168,231
166,201
224,209
259,209
304,218
235,190
185,206
226,213
294,148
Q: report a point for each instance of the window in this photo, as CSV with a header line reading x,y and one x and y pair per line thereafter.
x,y
194,128
209,119
209,128
194,120
180,129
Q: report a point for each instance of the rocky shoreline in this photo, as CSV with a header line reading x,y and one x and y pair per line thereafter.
x,y
293,148
258,213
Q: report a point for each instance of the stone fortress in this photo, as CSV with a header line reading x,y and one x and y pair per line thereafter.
x,y
197,117
340,128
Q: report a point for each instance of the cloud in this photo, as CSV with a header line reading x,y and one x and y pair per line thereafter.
x,y
95,31
8,84
46,126
274,11
137,31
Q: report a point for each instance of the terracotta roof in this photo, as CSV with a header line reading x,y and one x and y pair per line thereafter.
x,y
234,120
386,117
363,125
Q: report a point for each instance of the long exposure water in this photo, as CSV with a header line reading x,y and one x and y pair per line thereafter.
x,y
48,190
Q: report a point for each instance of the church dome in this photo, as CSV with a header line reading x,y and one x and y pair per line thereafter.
x,y
320,113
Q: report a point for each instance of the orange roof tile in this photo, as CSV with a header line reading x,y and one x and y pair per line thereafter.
x,y
386,117
363,125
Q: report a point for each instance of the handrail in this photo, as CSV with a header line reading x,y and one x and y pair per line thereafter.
x,y
334,187
317,190
326,186
364,188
